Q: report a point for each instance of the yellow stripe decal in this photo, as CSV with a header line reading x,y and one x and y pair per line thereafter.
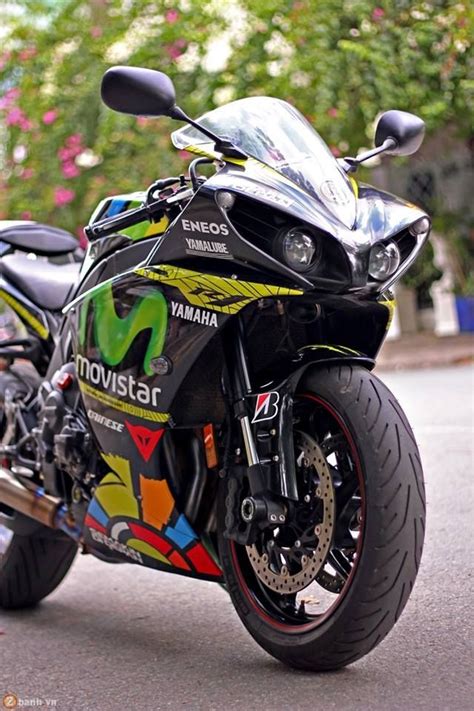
x,y
355,186
391,305
122,406
206,290
25,315
344,350
157,228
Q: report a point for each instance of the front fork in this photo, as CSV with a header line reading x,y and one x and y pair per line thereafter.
x,y
266,428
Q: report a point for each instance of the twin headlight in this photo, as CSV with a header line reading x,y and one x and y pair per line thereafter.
x,y
300,249
386,257
384,260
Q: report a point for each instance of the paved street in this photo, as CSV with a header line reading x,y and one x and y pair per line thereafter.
x,y
121,637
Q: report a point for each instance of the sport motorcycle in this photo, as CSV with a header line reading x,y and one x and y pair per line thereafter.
x,y
197,394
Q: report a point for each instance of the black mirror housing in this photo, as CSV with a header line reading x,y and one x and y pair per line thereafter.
x,y
406,129
138,91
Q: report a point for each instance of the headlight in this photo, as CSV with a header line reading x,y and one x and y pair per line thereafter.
x,y
384,261
299,249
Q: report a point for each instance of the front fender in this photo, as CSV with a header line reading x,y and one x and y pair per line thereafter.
x,y
281,478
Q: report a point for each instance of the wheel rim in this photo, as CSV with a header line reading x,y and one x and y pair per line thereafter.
x,y
302,607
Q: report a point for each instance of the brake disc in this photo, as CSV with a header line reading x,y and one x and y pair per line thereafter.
x,y
312,557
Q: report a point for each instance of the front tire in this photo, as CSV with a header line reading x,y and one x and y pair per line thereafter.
x,y
383,459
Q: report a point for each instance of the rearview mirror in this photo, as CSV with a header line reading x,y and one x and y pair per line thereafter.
x,y
406,129
138,91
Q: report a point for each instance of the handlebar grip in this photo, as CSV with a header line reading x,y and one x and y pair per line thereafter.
x,y
114,224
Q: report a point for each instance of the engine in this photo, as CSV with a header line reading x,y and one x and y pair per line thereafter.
x,y
65,441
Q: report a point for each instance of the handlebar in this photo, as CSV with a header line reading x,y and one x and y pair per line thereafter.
x,y
109,225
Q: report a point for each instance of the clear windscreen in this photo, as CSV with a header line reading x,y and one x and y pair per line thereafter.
x,y
276,134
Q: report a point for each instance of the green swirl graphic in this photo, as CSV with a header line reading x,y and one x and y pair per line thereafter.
x,y
114,335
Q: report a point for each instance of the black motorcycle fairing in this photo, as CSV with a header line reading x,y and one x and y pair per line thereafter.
x,y
203,230
114,255
380,216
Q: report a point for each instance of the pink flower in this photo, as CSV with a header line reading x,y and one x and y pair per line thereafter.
x,y
9,98
96,32
50,116
75,139
27,173
14,117
171,16
25,215
26,54
72,148
184,155
173,50
25,125
70,170
335,151
378,13
65,154
62,196
333,112
142,121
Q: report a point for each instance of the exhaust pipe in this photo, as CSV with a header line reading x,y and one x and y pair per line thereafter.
x,y
32,501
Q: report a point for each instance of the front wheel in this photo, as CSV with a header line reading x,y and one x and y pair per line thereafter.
x,y
325,588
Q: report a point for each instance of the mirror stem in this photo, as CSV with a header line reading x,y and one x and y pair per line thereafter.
x,y
222,145
350,165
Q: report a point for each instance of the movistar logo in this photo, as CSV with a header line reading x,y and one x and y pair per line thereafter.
x,y
113,335
116,383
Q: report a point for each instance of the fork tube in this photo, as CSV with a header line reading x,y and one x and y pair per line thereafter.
x,y
241,386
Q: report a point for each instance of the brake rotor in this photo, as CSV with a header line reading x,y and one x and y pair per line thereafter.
x,y
311,557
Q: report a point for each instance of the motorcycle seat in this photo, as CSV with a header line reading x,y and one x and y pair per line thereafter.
x,y
46,285
34,237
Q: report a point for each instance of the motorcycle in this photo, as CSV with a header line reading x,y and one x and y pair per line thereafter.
x,y
197,395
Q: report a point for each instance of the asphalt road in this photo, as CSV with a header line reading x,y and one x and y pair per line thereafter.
x,y
121,637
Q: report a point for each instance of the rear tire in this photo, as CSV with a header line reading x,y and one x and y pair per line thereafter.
x,y
391,538
32,566
33,558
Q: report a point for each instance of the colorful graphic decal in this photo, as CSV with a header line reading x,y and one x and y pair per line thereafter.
x,y
114,335
266,407
145,439
146,524
216,293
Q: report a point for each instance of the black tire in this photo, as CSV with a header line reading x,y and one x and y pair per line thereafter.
x,y
32,566
391,538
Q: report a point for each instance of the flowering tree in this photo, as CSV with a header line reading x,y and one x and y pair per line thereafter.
x,y
339,61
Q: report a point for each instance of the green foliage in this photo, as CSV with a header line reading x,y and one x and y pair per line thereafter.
x,y
421,276
338,61
458,231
